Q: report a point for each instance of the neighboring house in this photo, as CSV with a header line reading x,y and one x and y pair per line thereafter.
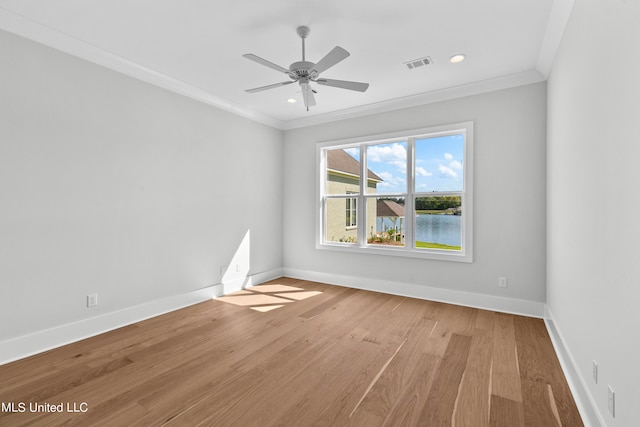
x,y
343,177
393,213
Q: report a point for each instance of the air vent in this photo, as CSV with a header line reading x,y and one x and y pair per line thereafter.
x,y
420,62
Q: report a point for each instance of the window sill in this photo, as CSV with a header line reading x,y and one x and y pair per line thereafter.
x,y
433,254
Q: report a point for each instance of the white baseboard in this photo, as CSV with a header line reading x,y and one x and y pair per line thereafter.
x,y
469,299
591,417
37,342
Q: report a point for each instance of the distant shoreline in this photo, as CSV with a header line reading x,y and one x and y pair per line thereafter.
x,y
435,212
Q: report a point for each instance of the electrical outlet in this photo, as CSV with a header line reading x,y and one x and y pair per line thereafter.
x,y
612,401
595,372
502,282
92,300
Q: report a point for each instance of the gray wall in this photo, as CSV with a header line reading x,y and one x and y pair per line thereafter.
x,y
112,186
509,204
593,283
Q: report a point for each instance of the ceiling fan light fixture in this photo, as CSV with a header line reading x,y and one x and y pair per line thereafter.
x,y
291,101
458,57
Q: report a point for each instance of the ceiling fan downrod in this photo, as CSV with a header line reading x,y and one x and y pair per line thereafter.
x,y
303,32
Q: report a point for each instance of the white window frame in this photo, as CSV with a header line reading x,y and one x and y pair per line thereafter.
x,y
410,136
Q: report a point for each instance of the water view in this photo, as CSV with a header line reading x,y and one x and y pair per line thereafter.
x,y
433,228
443,229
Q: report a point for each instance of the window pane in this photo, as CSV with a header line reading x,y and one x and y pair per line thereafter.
x,y
385,221
387,168
343,171
438,165
439,222
340,212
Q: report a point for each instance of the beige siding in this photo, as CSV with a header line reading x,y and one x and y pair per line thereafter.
x,y
336,209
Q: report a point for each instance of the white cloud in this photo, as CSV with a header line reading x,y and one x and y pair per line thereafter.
x,y
455,165
387,153
386,176
391,183
447,172
448,156
422,171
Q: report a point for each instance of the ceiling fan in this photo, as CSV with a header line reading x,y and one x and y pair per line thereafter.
x,y
305,72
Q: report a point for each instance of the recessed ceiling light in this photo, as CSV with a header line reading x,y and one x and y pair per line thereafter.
x,y
457,58
291,101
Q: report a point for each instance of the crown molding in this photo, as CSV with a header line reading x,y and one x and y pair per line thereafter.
x,y
558,19
476,88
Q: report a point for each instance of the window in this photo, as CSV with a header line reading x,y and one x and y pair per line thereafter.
x,y
352,212
416,200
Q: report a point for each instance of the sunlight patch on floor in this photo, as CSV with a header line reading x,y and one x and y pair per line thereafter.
x,y
252,299
299,296
265,308
264,298
274,288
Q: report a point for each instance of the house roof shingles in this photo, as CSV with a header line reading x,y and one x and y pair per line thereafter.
x,y
341,161
389,208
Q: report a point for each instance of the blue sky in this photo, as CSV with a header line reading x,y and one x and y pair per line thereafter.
x,y
438,164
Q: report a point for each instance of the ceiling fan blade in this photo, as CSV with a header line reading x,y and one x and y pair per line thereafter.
x,y
269,64
261,88
307,95
344,84
336,55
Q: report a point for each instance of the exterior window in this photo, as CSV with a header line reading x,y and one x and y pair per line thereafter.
x,y
352,214
416,200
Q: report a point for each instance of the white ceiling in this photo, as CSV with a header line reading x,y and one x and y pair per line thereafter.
x,y
195,47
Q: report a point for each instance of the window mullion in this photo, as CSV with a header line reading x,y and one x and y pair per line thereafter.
x,y
362,202
409,202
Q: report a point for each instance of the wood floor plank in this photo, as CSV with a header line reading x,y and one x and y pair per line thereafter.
x,y
485,320
438,410
538,410
331,356
399,376
472,404
505,380
320,308
408,408
539,364
506,412
451,319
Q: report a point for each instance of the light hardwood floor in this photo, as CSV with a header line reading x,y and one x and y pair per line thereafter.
x,y
298,353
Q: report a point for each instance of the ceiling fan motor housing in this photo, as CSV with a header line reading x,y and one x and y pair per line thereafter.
x,y
301,68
